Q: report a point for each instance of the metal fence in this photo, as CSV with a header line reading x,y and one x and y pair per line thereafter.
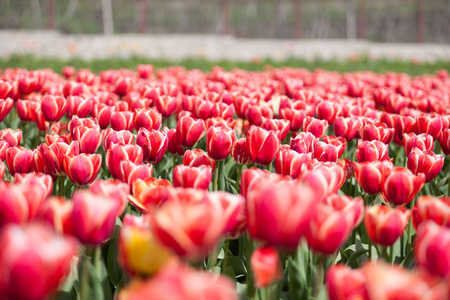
x,y
381,20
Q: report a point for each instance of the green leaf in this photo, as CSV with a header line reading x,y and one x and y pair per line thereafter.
x,y
115,272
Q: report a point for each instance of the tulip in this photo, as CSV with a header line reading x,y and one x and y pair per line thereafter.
x,y
112,189
190,229
223,110
166,105
266,266
19,160
13,137
399,185
174,147
78,106
131,172
5,89
328,111
147,118
315,126
94,217
148,193
296,116
403,124
54,156
203,109
181,282
189,131
34,261
431,248
369,151
123,85
326,152
256,114
431,208
430,124
289,205
262,145
118,153
197,158
139,251
240,153
303,143
111,137
154,144
281,126
3,147
53,108
79,126
56,138
5,107
82,169
422,141
103,113
2,170
57,212
219,142
44,182
444,141
347,127
290,162
385,224
38,118
122,120
231,207
370,174
13,205
325,178
192,177
425,162
248,177
345,283
376,131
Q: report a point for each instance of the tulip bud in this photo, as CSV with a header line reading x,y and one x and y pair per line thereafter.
x,y
118,153
345,283
34,260
54,156
370,174
78,106
385,224
315,126
173,147
262,145
431,249
56,138
147,118
326,152
240,153
5,107
53,108
399,185
44,182
248,177
192,177
122,120
377,131
19,160
444,141
197,158
290,162
430,124
166,105
425,162
94,217
131,172
431,208
154,144
266,267
296,116
303,143
256,114
57,212
3,147
325,178
219,142
368,151
281,126
148,193
139,251
203,109
103,113
328,111
346,127
13,137
111,137
82,169
422,141
403,124
189,131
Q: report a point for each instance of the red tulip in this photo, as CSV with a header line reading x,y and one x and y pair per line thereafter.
x,y
94,216
289,205
82,169
3,147
370,174
118,153
79,106
43,181
368,151
5,89
385,224
147,118
57,212
79,126
431,248
347,128
262,145
256,114
13,137
425,162
223,110
189,131
154,144
19,160
266,266
89,140
430,124
174,147
55,138
325,178
181,282
422,141
131,172
315,126
323,151
111,137
281,126
345,283
2,170
400,185
403,124
192,177
431,208
122,120
303,143
296,116
102,113
219,142
166,105
203,109
148,193
5,107
38,118
54,156
328,111
112,189
290,162
197,158
34,261
444,141
376,131
240,153
53,108
248,177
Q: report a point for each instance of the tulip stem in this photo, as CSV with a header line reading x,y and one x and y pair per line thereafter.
x,y
216,178
98,253
221,168
225,254
448,187
212,258
238,178
370,249
249,281
410,227
84,283
61,186
402,243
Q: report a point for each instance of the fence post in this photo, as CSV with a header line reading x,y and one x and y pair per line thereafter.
x,y
362,20
298,19
51,14
420,21
143,16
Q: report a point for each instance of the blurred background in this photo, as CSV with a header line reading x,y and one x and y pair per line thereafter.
x,y
404,21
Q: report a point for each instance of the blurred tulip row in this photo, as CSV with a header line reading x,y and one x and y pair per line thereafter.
x,y
179,184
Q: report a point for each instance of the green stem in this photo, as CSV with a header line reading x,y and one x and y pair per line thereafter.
x,y
225,253
448,187
268,292
370,249
238,178
410,227
319,275
84,280
271,167
61,186
98,255
212,258
402,243
216,178
391,256
221,176
250,285
174,161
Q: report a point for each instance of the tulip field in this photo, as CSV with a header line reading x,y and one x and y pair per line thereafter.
x,y
171,183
